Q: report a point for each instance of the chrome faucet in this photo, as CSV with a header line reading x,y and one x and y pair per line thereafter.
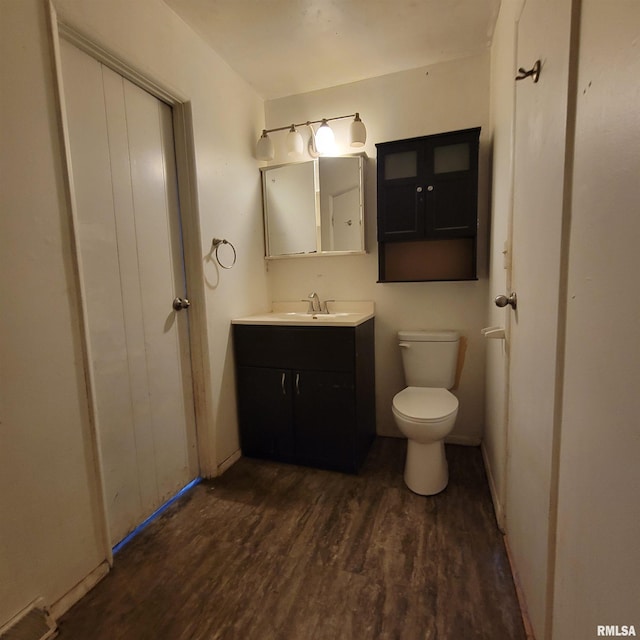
x,y
315,306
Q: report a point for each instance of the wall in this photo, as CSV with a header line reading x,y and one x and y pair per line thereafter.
x,y
444,97
598,556
50,527
51,522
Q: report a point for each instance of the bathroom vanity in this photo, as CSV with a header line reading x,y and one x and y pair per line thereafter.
x,y
305,387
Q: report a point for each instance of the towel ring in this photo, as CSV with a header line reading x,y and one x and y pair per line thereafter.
x,y
216,245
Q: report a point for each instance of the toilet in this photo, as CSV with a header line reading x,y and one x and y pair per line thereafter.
x,y
426,410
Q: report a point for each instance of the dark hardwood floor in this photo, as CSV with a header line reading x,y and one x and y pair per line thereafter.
x,y
275,551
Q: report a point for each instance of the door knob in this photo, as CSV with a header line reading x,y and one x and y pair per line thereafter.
x,y
503,301
181,303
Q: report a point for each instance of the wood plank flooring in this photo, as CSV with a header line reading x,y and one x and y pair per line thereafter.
x,y
274,551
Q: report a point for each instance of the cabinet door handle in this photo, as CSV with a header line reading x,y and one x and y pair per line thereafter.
x,y
419,189
282,381
430,187
298,383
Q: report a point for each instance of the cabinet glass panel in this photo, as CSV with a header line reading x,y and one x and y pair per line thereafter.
x,y
401,165
450,158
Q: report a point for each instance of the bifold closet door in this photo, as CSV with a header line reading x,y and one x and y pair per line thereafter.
x,y
125,187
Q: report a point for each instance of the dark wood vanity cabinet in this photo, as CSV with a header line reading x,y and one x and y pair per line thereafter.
x,y
428,198
306,394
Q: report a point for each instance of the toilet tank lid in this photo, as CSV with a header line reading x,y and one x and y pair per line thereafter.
x,y
428,335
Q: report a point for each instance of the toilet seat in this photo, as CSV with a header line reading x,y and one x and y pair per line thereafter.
x,y
425,404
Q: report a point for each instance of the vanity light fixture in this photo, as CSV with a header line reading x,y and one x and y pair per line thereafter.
x,y
321,140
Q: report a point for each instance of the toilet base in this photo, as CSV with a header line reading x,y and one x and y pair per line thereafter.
x,y
426,471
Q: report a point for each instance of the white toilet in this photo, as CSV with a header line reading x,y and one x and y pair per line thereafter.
x,y
426,411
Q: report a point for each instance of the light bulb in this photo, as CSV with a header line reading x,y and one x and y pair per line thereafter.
x,y
325,140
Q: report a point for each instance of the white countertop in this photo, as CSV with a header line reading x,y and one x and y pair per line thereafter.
x,y
341,314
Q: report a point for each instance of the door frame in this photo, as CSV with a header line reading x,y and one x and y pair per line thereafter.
x,y
191,241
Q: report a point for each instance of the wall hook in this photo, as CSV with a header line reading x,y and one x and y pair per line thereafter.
x,y
534,72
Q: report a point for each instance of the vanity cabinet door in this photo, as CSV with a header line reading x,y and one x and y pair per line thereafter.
x,y
324,414
265,411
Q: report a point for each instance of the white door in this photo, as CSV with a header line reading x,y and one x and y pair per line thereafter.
x,y
345,222
541,111
125,187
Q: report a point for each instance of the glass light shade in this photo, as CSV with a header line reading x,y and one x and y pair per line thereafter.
x,y
264,147
325,140
357,132
294,142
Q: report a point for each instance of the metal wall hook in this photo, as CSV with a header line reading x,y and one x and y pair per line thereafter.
x,y
534,72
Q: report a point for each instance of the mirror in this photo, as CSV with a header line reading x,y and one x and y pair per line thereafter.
x,y
314,208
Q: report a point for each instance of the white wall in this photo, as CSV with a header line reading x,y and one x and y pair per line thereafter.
x,y
444,97
51,523
50,528
598,551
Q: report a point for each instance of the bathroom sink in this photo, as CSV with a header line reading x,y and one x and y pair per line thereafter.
x,y
346,314
314,316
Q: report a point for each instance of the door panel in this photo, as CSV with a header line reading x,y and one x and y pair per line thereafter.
x,y
123,167
131,313
400,204
540,139
161,277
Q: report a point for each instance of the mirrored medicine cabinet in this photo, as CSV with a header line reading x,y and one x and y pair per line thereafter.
x,y
314,208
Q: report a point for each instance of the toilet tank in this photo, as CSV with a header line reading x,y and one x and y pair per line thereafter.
x,y
429,358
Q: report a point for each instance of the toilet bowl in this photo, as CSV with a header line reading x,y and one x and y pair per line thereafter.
x,y
425,416
425,411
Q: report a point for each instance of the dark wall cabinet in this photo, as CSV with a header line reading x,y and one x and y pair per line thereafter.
x,y
428,198
306,394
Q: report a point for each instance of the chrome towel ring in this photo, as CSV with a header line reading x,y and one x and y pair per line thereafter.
x,y
215,247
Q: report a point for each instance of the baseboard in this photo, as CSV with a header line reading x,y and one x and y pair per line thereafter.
x,y
35,622
79,591
230,461
497,505
519,593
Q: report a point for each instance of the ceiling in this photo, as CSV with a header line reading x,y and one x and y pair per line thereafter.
x,y
285,47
